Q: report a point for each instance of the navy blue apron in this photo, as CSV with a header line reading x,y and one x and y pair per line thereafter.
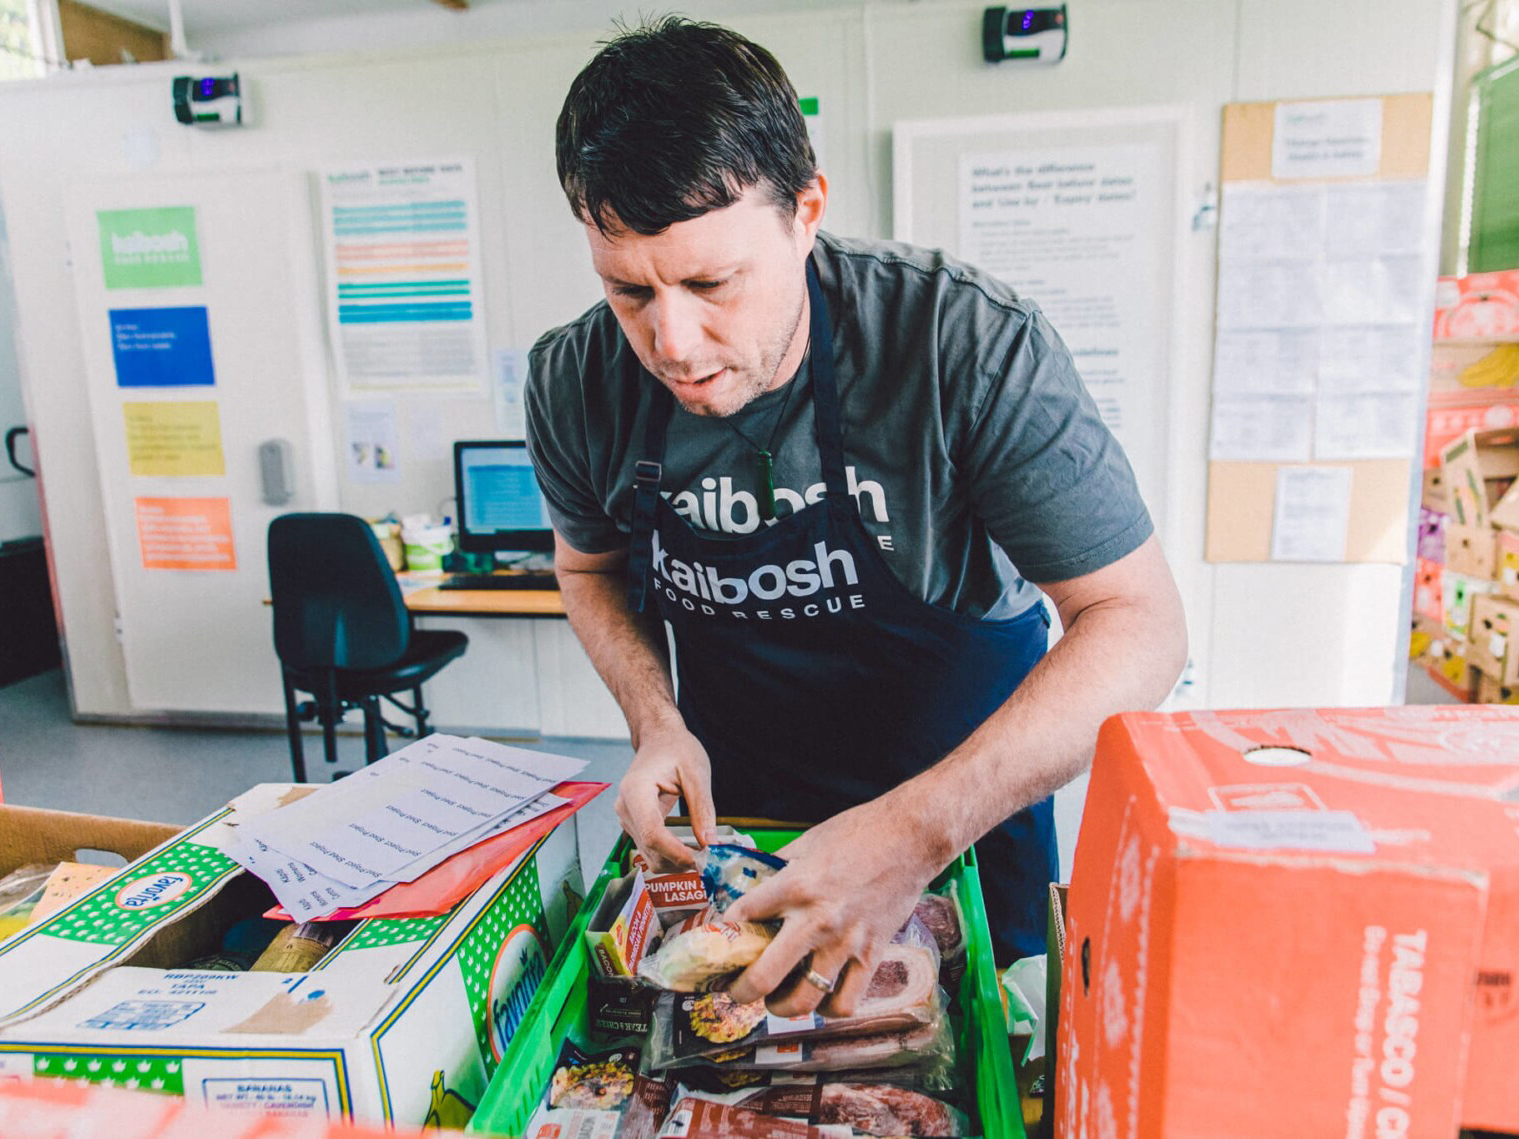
x,y
814,678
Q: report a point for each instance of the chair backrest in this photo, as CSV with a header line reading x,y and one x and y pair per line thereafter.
x,y
336,601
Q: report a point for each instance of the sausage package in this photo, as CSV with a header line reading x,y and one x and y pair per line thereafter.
x,y
868,1107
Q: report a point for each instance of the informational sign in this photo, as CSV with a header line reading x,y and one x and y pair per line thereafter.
x,y
509,372
403,270
162,347
1318,321
186,533
1331,138
174,438
1080,230
1312,516
373,454
149,249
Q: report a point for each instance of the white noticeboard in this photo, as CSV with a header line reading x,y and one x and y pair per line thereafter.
x,y
1079,212
404,298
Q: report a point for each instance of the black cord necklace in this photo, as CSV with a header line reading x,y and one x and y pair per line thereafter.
x,y
764,456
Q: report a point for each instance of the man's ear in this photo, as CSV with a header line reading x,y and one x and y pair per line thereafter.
x,y
811,203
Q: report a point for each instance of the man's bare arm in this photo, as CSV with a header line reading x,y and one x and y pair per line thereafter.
x,y
624,649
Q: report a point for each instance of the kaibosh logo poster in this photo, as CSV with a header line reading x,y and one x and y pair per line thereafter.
x,y
149,249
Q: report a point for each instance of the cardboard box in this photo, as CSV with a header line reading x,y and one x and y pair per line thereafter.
x,y
1480,471
1314,912
1457,591
1508,564
30,834
1429,590
1493,691
1426,640
623,927
1431,544
1472,550
1494,621
1479,306
403,1021
1434,496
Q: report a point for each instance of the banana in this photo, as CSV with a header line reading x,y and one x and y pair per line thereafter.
x,y
1498,369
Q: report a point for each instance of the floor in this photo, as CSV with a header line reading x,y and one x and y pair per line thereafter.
x,y
176,775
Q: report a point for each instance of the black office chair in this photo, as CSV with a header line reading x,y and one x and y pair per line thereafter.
x,y
343,633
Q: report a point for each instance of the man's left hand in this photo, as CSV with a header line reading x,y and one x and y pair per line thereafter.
x,y
849,885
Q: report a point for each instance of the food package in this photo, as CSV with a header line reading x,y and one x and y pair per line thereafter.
x,y
942,916
702,1119
866,1107
702,950
623,928
600,1095
729,871
903,994
676,896
926,1046
20,891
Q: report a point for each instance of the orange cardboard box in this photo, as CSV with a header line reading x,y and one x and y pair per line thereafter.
x,y
1300,922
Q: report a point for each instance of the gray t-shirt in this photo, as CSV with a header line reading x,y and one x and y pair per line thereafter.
x,y
978,459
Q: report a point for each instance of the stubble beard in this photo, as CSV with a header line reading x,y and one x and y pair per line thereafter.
x,y
758,380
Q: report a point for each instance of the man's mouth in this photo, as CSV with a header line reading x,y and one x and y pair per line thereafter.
x,y
699,381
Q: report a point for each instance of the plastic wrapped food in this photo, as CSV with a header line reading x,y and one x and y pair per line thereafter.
x,y
701,1119
926,1046
703,949
903,994
869,1108
593,1080
943,919
729,872
600,1095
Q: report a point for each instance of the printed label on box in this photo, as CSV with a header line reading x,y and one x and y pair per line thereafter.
x,y
284,1099
143,1016
1266,797
1339,832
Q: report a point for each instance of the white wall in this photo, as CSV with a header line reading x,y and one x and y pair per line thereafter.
x,y
1261,634
20,511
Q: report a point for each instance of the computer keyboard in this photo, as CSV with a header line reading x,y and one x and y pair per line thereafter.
x,y
536,579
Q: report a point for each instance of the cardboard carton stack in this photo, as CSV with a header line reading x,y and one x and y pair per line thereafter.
x,y
1467,583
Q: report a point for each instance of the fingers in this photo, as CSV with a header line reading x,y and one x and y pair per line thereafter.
x,y
780,957
698,792
849,989
641,809
765,902
801,993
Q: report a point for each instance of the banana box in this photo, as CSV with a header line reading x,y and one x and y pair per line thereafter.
x,y
1457,592
1508,564
1481,469
1325,901
1471,550
403,1021
1489,648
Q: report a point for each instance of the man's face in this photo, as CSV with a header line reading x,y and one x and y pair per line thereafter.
x,y
712,306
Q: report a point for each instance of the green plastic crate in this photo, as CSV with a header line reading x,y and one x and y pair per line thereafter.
x,y
559,1010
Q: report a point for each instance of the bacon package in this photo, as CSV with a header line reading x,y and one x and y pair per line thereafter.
x,y
866,1107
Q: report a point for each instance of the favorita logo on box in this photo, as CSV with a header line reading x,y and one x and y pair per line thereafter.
x,y
153,890
515,977
149,248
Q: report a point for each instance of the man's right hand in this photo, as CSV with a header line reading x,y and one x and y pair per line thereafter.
x,y
670,763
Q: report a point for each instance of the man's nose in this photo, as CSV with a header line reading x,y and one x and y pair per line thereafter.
x,y
677,329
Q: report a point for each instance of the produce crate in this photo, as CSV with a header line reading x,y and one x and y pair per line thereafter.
x,y
559,1009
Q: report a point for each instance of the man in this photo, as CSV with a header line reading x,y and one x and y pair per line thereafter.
x,y
791,477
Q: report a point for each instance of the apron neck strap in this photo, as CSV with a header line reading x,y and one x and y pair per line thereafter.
x,y
825,392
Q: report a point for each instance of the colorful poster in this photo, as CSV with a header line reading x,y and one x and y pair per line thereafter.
x,y
403,270
149,249
162,347
179,438
186,533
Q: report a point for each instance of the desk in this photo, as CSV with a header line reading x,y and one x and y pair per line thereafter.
x,y
434,602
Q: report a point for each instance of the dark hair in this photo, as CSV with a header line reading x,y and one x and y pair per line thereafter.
x,y
675,118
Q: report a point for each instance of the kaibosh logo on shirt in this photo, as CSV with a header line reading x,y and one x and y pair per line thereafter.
x,y
800,578
720,507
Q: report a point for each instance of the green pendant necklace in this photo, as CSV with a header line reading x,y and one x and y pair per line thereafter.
x,y
764,457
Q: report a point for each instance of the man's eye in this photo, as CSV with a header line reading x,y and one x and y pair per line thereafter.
x,y
707,286
633,292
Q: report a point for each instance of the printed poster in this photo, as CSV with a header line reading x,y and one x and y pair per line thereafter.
x,y
185,533
162,347
371,440
174,439
404,294
149,249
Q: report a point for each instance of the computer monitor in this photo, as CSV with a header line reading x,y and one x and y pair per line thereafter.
x,y
500,505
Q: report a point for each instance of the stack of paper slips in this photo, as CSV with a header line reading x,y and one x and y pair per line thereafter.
x,y
393,821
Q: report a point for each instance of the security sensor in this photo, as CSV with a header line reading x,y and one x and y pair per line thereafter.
x,y
1023,35
208,101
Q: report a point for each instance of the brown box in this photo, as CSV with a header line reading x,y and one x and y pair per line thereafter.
x,y
1494,621
1508,564
1434,497
1480,472
1492,691
1472,550
31,834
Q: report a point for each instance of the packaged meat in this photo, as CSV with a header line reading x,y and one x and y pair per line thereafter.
x,y
926,1046
869,1108
702,950
903,993
702,1119
941,915
729,871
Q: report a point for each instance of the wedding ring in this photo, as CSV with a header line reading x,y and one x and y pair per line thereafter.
x,y
816,979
